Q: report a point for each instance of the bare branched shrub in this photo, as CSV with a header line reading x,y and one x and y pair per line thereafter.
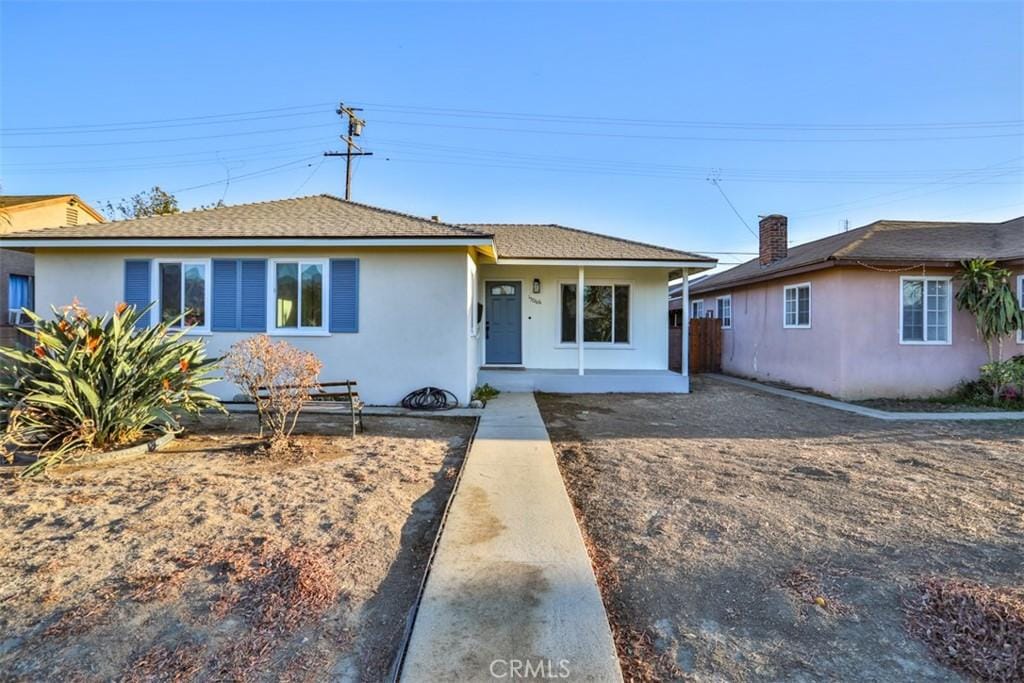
x,y
277,377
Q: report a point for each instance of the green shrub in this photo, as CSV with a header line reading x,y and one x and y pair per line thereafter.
x,y
1004,379
484,393
95,383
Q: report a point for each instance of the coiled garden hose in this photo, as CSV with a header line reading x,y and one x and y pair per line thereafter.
x,y
430,398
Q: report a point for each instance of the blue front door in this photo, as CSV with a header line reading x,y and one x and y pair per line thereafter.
x,y
503,326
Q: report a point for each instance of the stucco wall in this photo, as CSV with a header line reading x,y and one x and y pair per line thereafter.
x,y
852,349
648,347
27,217
412,313
759,346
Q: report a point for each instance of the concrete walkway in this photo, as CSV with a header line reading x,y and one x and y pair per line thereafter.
x,y
864,410
511,591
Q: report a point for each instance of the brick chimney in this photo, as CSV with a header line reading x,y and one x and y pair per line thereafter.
x,y
773,233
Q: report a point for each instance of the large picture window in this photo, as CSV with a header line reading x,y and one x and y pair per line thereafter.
x,y
605,314
182,293
925,310
299,295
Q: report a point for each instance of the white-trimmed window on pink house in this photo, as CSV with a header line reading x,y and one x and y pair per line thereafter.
x,y
697,308
796,306
723,311
926,310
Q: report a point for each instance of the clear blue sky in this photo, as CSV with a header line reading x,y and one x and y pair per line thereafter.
x,y
603,116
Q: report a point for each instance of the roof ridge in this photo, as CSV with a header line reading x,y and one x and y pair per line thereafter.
x,y
597,234
456,226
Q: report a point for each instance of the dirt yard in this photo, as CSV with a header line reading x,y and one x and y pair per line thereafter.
x,y
740,536
210,561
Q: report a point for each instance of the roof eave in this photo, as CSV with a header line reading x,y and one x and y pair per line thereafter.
x,y
190,242
694,266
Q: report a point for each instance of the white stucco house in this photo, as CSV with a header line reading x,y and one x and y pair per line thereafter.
x,y
393,301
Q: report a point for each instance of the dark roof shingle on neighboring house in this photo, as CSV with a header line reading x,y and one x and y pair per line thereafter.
x,y
318,216
897,242
8,200
549,241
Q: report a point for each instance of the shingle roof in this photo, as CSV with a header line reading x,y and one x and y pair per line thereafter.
x,y
318,216
328,217
559,242
16,199
894,241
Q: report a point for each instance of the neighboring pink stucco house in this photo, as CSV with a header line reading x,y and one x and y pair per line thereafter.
x,y
862,314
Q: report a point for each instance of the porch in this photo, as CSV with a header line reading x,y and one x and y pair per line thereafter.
x,y
570,381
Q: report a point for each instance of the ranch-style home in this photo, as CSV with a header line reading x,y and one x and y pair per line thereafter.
x,y
391,300
861,314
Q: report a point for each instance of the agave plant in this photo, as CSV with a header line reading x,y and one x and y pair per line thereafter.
x,y
95,383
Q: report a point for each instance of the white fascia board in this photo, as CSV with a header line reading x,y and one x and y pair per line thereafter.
x,y
260,243
604,262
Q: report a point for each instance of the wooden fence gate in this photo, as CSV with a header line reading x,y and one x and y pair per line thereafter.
x,y
705,346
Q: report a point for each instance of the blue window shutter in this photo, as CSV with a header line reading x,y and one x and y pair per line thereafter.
x,y
225,295
253,295
137,285
344,296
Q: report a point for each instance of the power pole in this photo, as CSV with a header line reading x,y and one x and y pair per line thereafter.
x,y
355,129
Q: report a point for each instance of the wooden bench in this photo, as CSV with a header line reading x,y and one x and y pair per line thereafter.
x,y
332,392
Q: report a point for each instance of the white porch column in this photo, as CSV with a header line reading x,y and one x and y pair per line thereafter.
x,y
685,332
579,317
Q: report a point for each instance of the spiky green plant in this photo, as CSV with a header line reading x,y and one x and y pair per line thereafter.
x,y
96,383
986,293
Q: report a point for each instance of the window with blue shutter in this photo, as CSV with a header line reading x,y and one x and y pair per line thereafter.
x,y
225,295
137,284
239,295
252,291
344,296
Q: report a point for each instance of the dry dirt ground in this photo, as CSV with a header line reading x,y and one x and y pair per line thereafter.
x,y
211,561
742,536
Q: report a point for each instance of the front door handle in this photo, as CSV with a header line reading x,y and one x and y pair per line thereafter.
x,y
487,330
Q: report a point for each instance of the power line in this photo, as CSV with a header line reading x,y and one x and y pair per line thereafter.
x,y
478,113
157,121
713,179
690,138
162,140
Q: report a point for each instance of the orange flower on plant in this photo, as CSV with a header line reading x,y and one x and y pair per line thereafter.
x,y
64,326
39,351
92,343
167,384
121,308
183,364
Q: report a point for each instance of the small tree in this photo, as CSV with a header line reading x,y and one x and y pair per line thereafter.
x,y
155,202
277,378
986,293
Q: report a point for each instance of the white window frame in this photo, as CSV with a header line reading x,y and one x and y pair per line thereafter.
x,y
949,309
727,297
810,307
207,291
693,305
324,329
596,345
473,276
1020,300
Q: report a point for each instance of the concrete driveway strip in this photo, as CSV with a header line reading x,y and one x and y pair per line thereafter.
x,y
511,594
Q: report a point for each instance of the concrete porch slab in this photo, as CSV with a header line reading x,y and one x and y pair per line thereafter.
x,y
562,381
511,584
